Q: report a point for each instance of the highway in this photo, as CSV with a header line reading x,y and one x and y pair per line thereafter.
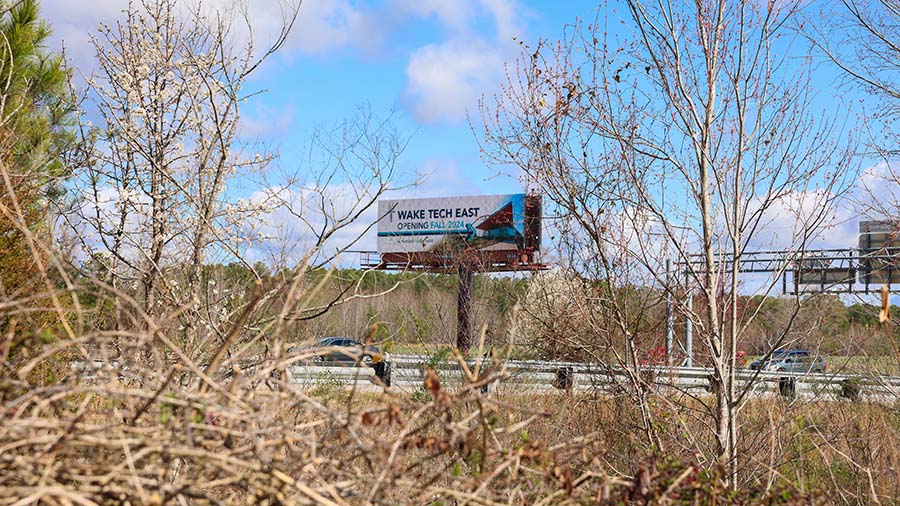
x,y
405,373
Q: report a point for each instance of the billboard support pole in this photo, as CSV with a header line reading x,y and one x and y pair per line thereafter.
x,y
464,326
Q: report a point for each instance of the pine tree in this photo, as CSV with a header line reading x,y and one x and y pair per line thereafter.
x,y
35,108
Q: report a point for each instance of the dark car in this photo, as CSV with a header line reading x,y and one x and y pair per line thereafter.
x,y
800,361
341,351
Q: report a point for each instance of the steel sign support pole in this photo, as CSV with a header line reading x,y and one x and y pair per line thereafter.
x,y
689,330
670,317
464,327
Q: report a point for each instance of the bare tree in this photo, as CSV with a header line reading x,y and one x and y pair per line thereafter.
x,y
682,143
868,54
171,188
862,39
347,168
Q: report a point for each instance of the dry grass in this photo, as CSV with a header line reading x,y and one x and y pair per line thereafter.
x,y
171,434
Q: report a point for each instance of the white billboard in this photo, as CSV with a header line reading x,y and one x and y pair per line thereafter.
x,y
485,222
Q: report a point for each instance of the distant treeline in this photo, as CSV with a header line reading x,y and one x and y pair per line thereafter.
x,y
418,307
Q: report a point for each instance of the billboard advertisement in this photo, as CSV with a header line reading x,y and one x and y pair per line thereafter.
x,y
434,225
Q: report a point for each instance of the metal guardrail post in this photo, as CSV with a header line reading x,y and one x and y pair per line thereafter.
x,y
787,387
383,371
565,378
711,384
850,388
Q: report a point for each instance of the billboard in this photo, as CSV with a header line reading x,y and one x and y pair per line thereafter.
x,y
824,279
437,225
877,235
879,250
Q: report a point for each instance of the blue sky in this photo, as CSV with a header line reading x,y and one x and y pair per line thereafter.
x,y
432,66
427,61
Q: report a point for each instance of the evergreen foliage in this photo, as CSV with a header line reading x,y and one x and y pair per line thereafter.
x,y
35,109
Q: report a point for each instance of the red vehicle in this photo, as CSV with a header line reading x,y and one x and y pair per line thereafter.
x,y
653,356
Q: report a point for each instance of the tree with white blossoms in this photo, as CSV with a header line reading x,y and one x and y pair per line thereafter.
x,y
156,211
547,322
168,92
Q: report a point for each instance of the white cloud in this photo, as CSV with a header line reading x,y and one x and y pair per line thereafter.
x,y
461,17
321,26
99,214
505,13
263,121
446,79
825,220
74,22
877,193
292,227
326,25
454,15
442,178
